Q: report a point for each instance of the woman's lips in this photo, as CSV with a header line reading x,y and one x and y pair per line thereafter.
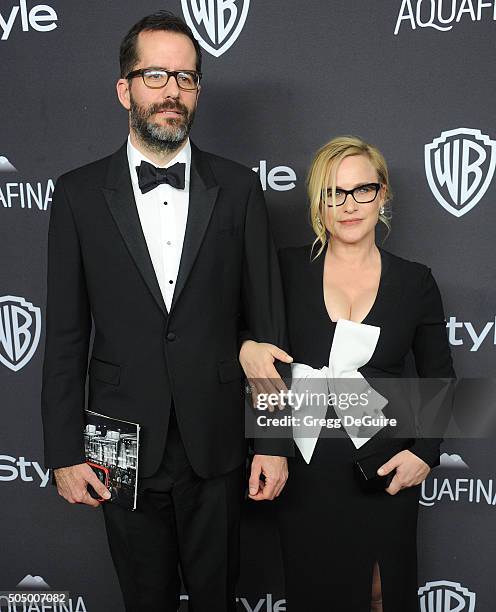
x,y
350,221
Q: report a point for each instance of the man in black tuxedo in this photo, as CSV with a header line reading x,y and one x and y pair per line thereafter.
x,y
167,250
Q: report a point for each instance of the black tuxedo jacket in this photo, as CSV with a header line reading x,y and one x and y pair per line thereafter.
x,y
144,357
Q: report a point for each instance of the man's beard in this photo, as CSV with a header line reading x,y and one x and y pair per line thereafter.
x,y
159,137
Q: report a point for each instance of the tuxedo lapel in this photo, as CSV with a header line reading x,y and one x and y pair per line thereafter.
x,y
118,193
202,197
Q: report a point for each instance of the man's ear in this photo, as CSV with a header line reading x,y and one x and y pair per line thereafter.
x,y
123,93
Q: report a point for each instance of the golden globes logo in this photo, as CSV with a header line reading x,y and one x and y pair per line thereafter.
x,y
216,24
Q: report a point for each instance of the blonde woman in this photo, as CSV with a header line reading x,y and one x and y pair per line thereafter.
x,y
345,549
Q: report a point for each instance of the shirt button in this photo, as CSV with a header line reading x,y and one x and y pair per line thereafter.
x,y
171,282
165,203
171,336
169,242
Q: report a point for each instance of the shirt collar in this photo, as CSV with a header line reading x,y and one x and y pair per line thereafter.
x,y
135,158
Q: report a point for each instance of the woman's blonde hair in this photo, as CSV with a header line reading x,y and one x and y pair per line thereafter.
x,y
322,174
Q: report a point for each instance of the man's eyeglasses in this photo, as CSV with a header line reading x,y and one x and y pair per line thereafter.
x,y
156,78
363,194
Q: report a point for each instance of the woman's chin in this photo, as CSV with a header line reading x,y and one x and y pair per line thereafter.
x,y
351,236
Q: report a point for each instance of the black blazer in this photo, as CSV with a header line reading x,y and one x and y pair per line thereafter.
x,y
228,288
409,310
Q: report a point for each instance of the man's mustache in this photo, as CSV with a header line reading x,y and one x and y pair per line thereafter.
x,y
157,108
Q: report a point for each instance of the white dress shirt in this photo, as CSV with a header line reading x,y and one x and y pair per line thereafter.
x,y
163,213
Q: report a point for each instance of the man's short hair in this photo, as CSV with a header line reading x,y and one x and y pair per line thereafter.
x,y
161,20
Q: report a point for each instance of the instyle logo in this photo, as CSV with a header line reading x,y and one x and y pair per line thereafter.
x,y
264,604
465,333
442,15
455,489
459,166
446,596
279,178
20,330
216,24
41,18
13,468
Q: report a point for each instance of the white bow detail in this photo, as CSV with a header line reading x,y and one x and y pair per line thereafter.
x,y
352,347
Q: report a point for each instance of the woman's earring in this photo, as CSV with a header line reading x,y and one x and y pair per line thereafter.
x,y
381,210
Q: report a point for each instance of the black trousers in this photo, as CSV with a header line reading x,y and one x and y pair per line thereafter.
x,y
182,521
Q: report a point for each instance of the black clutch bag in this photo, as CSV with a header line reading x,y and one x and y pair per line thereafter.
x,y
366,468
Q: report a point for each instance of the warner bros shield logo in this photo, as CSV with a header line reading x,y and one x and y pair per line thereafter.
x,y
460,166
20,330
216,24
446,596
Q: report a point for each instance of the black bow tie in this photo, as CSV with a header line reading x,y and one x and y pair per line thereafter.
x,y
150,177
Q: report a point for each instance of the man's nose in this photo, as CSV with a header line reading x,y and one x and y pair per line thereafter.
x,y
171,90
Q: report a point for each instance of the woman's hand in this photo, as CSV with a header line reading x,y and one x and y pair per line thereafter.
x,y
410,471
257,360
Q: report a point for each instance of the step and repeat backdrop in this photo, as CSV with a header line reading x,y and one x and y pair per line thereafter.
x,y
281,77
